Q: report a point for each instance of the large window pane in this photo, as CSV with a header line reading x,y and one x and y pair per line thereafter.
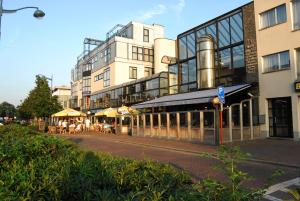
x,y
191,45
212,30
173,75
182,48
238,56
225,58
192,70
296,14
201,32
224,37
184,73
236,23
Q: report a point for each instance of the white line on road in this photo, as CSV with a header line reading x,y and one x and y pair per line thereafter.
x,y
282,185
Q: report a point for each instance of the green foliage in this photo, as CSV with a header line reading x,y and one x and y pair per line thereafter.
x,y
295,193
7,110
34,166
40,102
233,189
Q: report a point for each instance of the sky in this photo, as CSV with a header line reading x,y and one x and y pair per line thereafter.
x,y
50,46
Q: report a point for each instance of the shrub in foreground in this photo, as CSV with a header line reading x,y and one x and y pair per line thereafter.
x,y
38,167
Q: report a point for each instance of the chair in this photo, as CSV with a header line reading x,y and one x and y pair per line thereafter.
x,y
62,130
78,129
71,130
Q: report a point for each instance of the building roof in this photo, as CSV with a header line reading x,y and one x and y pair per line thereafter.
x,y
196,97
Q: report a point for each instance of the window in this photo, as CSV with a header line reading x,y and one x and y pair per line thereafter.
x,y
236,28
224,34
86,84
276,61
148,55
182,48
238,56
195,120
274,16
298,61
132,72
98,77
225,58
137,53
106,77
148,71
146,35
184,73
106,54
191,45
296,14
183,120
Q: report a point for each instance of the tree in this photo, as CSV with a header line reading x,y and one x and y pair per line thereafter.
x,y
40,102
7,110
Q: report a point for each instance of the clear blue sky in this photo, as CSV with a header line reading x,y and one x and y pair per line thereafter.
x,y
50,46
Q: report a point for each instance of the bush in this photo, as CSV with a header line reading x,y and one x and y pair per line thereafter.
x,y
34,166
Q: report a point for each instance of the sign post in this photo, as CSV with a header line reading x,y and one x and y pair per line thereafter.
x,y
221,96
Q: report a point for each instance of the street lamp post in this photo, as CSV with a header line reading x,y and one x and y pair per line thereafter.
x,y
37,14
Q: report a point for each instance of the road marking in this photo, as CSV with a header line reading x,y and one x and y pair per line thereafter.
x,y
282,185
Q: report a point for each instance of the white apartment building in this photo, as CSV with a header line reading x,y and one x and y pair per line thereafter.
x,y
64,95
129,53
278,49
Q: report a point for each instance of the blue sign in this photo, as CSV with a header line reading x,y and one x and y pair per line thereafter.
x,y
221,95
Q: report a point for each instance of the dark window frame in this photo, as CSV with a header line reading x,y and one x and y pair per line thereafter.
x,y
132,75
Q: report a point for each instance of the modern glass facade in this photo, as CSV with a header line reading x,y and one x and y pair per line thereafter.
x,y
132,92
228,34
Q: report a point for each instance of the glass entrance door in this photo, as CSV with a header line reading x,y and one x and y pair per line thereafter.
x,y
280,117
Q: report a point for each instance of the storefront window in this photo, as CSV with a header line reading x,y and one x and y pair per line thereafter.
x,y
209,119
173,120
235,115
163,119
195,119
183,119
246,114
147,120
155,120
141,121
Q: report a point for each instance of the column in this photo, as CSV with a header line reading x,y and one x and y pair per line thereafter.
x,y
241,121
168,124
189,125
151,125
251,119
159,124
178,125
201,126
230,123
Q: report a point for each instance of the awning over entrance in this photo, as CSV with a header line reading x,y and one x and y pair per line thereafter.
x,y
196,97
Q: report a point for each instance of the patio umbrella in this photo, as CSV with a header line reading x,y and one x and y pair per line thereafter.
x,y
109,112
69,113
124,110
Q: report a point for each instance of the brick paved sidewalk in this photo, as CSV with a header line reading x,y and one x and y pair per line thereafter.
x,y
273,151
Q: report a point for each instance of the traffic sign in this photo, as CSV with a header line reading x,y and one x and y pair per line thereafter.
x,y
221,94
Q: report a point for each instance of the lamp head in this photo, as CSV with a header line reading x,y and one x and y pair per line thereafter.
x,y
38,14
